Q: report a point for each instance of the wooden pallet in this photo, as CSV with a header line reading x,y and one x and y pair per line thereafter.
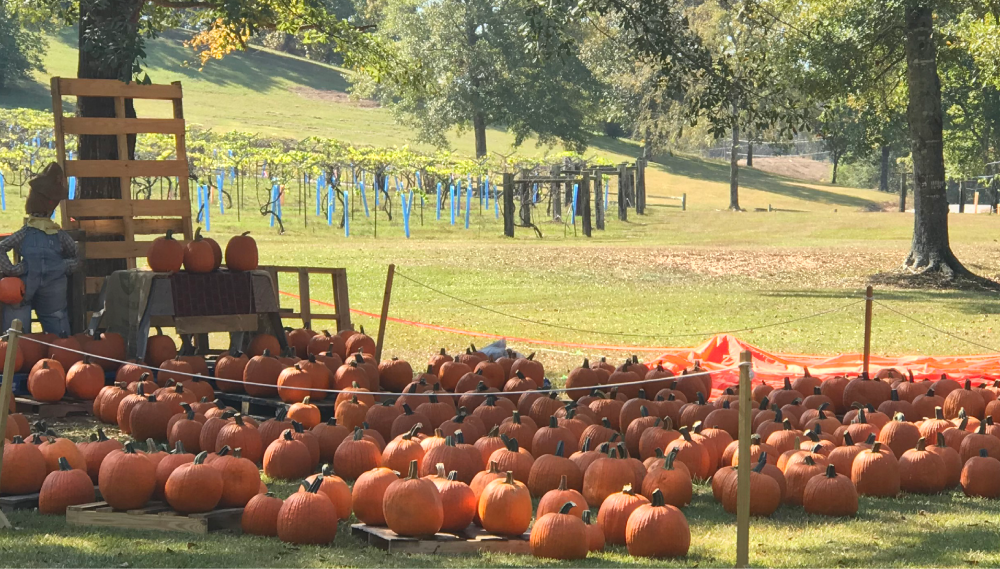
x,y
26,501
266,407
155,516
55,410
472,540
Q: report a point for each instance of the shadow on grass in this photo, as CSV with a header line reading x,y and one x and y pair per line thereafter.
x,y
967,301
749,178
29,95
254,69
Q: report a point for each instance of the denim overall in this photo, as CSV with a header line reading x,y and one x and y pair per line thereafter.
x,y
45,284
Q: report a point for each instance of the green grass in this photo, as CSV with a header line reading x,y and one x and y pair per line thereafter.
x,y
259,91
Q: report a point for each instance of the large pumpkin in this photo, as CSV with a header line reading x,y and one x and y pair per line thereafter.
x,y
287,458
308,517
160,348
981,476
875,472
658,529
505,507
922,471
261,373
356,456
614,513
240,479
25,470
560,535
229,370
412,506
65,487
260,516
194,488
199,256
830,494
165,254
241,253
368,495
127,479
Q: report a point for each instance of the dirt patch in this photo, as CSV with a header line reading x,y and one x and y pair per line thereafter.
x,y
338,97
794,167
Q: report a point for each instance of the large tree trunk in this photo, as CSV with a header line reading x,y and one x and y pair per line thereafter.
x,y
479,126
96,18
883,179
836,163
749,153
734,164
930,250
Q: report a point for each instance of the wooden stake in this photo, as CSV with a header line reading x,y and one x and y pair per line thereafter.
x,y
6,393
385,312
743,469
868,327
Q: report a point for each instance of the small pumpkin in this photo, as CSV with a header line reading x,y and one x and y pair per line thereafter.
x,y
614,513
165,254
199,256
505,506
335,489
260,516
553,500
981,476
830,494
308,517
560,535
658,530
368,495
47,384
356,456
287,458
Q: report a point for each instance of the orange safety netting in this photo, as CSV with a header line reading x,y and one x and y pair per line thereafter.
x,y
723,351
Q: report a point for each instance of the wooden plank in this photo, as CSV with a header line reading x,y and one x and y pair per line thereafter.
x,y
141,208
155,517
304,303
125,181
93,285
210,324
140,226
313,270
341,302
130,168
56,410
114,88
112,126
181,151
468,542
117,249
311,315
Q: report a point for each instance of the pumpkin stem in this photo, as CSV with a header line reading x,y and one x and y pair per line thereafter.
x,y
64,464
848,440
200,459
560,448
287,434
877,446
494,467
413,474
440,470
761,462
510,477
658,501
588,517
129,449
413,431
809,460
563,483
512,445
668,461
831,471
565,509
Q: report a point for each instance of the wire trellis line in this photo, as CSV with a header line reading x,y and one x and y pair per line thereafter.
x,y
379,393
626,334
938,330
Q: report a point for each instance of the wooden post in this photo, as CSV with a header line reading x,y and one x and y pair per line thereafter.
x,y
622,194
868,326
961,196
585,198
385,312
305,307
508,204
6,393
640,186
975,202
556,194
599,199
684,201
902,193
743,468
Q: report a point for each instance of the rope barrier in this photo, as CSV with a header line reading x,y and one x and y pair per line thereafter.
x,y
625,334
380,393
938,330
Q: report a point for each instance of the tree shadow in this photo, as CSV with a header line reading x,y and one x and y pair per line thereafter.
x,y
750,178
168,59
966,301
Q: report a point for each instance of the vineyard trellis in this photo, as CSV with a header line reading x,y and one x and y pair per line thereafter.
x,y
326,180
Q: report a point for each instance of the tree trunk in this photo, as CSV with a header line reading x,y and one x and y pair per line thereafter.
x,y
479,126
930,250
734,164
836,163
96,18
883,180
749,153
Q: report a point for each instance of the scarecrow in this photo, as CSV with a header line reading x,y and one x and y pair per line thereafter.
x,y
47,255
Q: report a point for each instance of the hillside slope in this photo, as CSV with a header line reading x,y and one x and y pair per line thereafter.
x,y
278,94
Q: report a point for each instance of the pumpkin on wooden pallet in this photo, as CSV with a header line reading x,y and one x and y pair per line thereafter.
x,y
657,529
126,479
65,487
505,506
47,384
195,487
260,516
560,535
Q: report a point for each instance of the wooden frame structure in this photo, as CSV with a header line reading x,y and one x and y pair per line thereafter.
x,y
341,303
122,219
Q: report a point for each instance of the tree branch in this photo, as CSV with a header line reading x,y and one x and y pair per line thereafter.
x,y
182,4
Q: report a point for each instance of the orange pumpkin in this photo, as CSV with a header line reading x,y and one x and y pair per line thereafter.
x,y
11,290
199,256
165,254
241,253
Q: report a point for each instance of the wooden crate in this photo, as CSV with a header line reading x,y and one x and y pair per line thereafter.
x,y
27,501
266,407
54,410
156,516
341,302
111,226
472,540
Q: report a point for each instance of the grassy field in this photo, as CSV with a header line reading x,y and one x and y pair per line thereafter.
x,y
277,94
